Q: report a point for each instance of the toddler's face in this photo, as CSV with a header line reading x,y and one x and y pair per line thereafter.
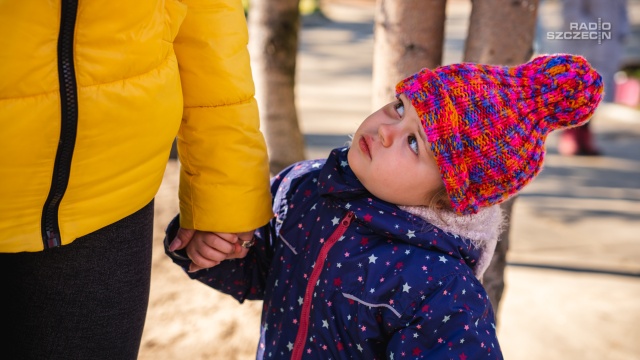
x,y
392,158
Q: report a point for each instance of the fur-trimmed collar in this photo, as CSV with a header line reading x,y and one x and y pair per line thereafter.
x,y
482,229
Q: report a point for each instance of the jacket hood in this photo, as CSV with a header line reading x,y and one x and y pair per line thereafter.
x,y
337,181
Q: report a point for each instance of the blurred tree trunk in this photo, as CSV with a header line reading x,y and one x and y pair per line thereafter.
x,y
409,35
500,32
493,279
273,45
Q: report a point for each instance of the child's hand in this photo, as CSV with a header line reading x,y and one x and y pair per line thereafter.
x,y
208,249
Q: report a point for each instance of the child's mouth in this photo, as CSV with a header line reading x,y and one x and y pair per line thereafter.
x,y
364,146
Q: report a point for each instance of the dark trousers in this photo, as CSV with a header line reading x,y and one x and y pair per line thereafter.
x,y
85,300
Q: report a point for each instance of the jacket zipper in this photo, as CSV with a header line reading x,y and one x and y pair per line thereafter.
x,y
301,337
68,125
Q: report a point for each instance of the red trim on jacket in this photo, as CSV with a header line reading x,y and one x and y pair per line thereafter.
x,y
301,337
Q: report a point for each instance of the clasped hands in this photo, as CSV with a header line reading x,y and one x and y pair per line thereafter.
x,y
208,249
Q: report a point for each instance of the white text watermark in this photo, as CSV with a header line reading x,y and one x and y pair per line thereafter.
x,y
583,31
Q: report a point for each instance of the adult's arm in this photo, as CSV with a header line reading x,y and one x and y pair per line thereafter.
x,y
224,176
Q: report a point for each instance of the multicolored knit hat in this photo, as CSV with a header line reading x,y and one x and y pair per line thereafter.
x,y
487,124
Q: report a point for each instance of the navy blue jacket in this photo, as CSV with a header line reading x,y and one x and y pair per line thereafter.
x,y
345,275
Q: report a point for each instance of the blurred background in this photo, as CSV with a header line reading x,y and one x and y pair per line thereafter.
x,y
568,283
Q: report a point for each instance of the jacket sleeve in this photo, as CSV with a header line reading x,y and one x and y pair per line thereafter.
x,y
224,176
455,322
246,278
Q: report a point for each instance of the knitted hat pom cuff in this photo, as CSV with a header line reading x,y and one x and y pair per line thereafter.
x,y
570,83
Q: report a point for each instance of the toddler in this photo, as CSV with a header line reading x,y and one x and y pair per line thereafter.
x,y
376,252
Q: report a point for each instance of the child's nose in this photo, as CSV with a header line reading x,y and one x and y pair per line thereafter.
x,y
387,133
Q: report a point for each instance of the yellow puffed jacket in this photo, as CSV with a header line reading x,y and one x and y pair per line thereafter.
x,y
92,95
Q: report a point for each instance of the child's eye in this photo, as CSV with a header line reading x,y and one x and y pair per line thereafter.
x,y
399,107
413,143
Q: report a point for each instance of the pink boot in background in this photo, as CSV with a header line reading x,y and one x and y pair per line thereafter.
x,y
586,142
578,141
568,143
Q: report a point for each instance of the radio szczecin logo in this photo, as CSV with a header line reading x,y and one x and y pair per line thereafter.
x,y
583,31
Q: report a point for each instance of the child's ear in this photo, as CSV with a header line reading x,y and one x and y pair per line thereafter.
x,y
441,200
